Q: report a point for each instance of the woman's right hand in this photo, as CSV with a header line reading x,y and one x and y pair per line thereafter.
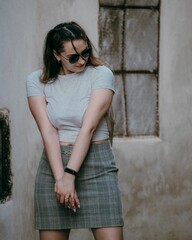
x,y
66,193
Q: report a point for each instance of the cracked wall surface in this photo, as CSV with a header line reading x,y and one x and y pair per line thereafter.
x,y
154,171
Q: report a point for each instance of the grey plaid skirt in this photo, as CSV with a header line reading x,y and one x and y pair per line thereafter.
x,y
97,189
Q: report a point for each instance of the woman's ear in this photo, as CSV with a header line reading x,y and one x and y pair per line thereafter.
x,y
56,55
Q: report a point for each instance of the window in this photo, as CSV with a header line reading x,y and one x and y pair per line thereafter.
x,y
5,168
129,43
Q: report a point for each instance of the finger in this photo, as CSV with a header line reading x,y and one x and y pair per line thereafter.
x,y
72,204
62,198
72,201
77,201
66,203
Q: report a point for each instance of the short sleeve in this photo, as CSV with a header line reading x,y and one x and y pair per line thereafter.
x,y
33,85
103,78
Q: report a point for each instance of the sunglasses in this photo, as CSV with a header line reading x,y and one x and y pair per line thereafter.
x,y
75,57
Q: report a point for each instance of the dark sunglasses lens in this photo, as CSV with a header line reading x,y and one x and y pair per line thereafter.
x,y
74,59
86,52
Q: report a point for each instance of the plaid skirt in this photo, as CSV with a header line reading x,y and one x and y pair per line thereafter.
x,y
97,189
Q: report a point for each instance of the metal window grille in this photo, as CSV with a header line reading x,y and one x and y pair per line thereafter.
x,y
129,43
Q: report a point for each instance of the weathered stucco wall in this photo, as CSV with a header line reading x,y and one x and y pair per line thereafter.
x,y
155,173
23,25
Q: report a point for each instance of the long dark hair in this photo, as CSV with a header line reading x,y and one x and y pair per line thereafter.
x,y
54,40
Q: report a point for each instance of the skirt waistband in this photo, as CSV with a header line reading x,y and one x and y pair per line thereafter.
x,y
67,150
94,142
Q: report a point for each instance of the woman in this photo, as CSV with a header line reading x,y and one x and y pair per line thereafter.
x,y
76,183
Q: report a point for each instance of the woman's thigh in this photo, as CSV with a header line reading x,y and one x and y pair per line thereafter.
x,y
54,235
112,233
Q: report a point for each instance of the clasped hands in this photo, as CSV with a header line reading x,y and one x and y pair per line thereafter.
x,y
66,193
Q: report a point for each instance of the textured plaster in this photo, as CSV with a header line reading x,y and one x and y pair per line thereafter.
x,y
154,173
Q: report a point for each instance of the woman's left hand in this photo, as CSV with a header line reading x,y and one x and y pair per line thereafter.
x,y
66,193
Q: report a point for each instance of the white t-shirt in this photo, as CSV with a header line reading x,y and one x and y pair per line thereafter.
x,y
68,97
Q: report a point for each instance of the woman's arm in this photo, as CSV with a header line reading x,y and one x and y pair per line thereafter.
x,y
100,102
37,105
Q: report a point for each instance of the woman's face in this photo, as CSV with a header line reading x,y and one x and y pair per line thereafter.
x,y
70,60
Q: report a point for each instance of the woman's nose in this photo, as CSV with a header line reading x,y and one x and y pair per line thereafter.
x,y
81,60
